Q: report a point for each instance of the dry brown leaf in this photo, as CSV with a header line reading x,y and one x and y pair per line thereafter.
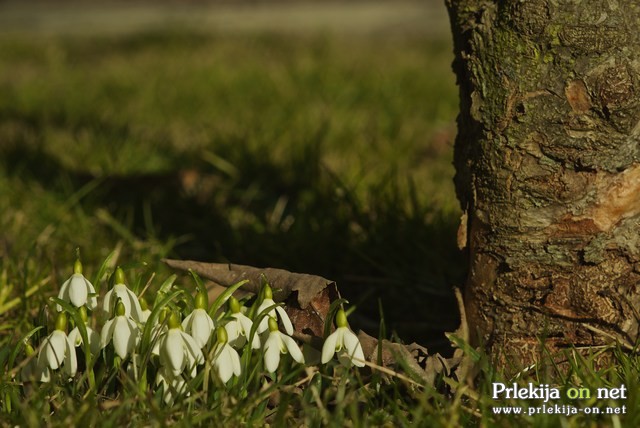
x,y
307,299
283,282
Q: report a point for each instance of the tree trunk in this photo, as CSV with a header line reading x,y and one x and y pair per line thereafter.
x,y
548,171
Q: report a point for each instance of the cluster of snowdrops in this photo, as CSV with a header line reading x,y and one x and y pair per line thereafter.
x,y
178,348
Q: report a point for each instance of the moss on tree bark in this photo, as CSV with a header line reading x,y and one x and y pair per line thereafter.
x,y
548,171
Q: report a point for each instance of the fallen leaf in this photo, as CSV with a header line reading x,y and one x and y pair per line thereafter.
x,y
307,299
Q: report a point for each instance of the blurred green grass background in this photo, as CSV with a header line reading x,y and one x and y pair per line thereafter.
x,y
308,148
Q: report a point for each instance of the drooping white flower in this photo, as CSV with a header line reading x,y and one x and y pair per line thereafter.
x,y
344,342
282,314
173,386
179,351
279,343
239,328
93,336
128,298
225,359
78,290
122,331
57,351
198,323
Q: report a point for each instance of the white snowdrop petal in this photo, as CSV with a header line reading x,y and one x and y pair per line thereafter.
x,y
192,349
173,350
201,327
106,304
233,329
136,309
255,342
245,323
78,290
272,352
329,347
134,339
264,322
92,301
353,348
122,337
55,349
107,333
45,374
63,294
186,322
120,291
225,371
223,363
284,317
75,337
158,333
71,362
235,360
293,348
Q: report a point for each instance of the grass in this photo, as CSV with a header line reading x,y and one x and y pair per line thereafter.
x,y
319,154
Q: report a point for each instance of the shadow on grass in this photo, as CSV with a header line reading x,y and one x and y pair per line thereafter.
x,y
250,206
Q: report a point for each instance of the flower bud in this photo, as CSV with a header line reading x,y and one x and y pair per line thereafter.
x,y
119,276
221,334
77,267
120,309
341,319
268,292
61,322
174,321
273,324
234,305
202,300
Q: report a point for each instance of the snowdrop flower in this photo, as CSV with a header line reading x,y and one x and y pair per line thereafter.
x,y
57,351
78,290
226,359
173,386
343,338
278,343
239,328
178,350
129,299
94,338
198,323
282,314
122,331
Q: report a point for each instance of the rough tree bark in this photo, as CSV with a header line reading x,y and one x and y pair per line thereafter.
x,y
548,171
